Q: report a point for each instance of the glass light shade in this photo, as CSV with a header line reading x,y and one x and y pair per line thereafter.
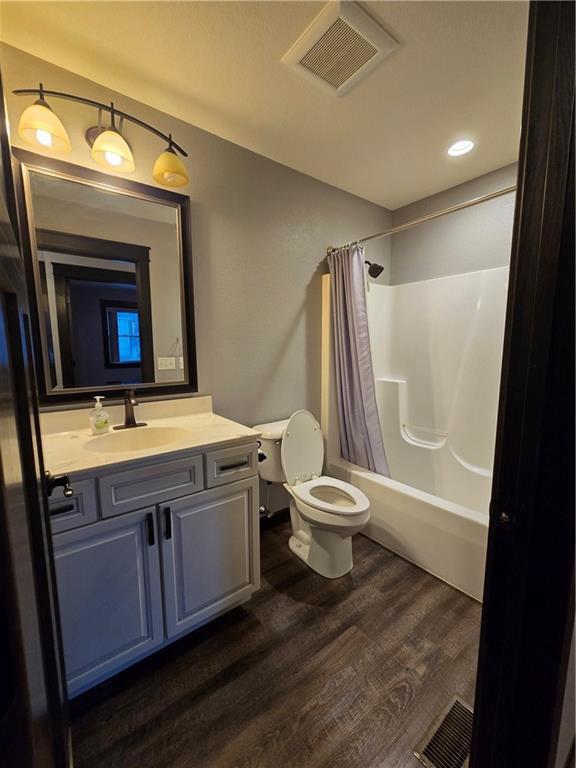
x,y
169,170
111,151
39,126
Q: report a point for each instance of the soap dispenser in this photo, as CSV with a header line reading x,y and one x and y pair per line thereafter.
x,y
99,419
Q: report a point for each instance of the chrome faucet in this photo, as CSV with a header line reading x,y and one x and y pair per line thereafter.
x,y
129,420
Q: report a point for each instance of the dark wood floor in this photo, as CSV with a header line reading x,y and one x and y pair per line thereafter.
x,y
311,673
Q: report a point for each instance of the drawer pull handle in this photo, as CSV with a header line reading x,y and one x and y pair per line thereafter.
x,y
150,529
167,523
237,465
62,510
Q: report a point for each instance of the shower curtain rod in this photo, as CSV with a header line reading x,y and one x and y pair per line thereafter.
x,y
428,217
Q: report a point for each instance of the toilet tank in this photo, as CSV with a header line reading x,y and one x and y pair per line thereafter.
x,y
270,467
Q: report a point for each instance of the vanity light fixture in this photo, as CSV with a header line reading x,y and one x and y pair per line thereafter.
x,y
109,148
168,169
40,127
461,147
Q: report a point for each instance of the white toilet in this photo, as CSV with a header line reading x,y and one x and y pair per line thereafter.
x,y
325,512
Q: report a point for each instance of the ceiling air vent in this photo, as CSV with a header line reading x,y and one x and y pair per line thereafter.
x,y
341,46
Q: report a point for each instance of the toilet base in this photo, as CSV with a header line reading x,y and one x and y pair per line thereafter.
x,y
326,552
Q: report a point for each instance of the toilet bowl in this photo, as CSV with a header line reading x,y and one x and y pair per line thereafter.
x,y
325,512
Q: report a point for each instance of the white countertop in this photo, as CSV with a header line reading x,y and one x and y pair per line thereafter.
x,y
69,452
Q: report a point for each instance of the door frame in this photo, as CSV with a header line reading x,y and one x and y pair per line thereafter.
x,y
37,734
62,273
107,250
528,613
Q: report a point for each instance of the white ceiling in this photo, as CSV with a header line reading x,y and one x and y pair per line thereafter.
x,y
458,71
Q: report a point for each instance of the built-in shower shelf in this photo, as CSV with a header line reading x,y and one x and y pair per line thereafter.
x,y
423,437
392,398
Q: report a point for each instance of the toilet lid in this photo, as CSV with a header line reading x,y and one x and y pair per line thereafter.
x,y
302,449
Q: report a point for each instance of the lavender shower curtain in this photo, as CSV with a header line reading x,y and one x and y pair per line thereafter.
x,y
360,434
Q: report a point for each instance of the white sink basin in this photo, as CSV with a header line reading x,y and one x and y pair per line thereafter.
x,y
136,439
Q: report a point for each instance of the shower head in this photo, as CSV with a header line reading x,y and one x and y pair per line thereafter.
x,y
374,270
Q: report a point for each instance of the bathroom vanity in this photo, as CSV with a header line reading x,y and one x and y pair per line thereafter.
x,y
160,535
161,531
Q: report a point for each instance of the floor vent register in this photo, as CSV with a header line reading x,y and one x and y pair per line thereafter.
x,y
447,742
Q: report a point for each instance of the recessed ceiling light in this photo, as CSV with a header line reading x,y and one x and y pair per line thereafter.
x,y
461,147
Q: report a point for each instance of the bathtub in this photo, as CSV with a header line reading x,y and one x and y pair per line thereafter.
x,y
443,538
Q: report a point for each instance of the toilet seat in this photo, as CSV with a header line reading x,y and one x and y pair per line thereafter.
x,y
302,456
328,494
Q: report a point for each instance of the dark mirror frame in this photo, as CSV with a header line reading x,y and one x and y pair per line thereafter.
x,y
24,163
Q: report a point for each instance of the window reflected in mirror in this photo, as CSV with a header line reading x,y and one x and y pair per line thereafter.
x,y
121,333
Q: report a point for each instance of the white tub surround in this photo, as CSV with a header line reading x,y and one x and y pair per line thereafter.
x,y
436,348
159,536
437,352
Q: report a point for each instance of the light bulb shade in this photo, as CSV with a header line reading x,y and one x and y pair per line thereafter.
x,y
169,170
40,127
111,151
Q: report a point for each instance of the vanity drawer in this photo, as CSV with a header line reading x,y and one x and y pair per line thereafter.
x,y
145,486
75,511
230,464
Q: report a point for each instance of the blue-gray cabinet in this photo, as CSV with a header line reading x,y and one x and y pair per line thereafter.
x,y
210,553
133,582
110,596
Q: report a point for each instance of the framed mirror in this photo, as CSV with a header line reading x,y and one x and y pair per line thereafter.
x,y
109,270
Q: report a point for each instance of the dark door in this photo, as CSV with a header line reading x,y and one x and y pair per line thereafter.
x,y
528,614
32,723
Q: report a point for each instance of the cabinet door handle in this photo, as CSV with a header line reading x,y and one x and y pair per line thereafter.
x,y
58,481
150,529
167,522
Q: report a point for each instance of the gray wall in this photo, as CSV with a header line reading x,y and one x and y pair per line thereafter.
x,y
259,234
476,238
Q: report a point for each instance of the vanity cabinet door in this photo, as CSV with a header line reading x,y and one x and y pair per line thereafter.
x,y
210,553
109,591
